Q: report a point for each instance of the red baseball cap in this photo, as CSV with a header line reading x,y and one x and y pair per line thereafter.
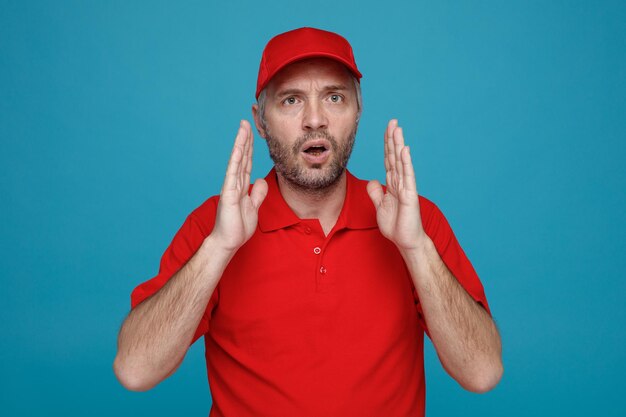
x,y
303,43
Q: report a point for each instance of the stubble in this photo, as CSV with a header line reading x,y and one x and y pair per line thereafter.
x,y
317,178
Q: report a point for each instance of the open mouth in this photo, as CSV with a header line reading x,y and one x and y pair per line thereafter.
x,y
316,151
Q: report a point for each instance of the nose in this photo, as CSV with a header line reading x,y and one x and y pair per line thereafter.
x,y
314,116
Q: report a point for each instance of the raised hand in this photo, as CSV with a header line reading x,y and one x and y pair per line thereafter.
x,y
397,209
237,212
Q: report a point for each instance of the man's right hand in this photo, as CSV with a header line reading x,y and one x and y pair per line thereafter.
x,y
156,334
237,212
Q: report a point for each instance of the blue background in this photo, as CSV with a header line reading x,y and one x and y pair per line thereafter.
x,y
117,118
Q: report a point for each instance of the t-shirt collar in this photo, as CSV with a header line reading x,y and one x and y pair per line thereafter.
x,y
357,212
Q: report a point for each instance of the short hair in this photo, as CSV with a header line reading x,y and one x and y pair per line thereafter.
x,y
359,102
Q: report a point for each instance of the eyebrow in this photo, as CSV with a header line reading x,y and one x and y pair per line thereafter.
x,y
295,91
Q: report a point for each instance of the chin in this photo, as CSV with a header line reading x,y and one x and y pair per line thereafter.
x,y
319,178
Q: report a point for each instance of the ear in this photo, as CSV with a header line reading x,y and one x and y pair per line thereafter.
x,y
257,121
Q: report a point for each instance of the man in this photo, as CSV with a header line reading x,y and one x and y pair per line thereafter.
x,y
312,289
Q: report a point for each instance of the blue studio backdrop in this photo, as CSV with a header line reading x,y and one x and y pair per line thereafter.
x,y
117,119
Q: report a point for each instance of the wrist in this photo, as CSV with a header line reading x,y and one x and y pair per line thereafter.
x,y
218,248
419,250
422,262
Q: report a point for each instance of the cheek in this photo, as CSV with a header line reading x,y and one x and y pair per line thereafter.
x,y
346,125
283,127
283,115
343,115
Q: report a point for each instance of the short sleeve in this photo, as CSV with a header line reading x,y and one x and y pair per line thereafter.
x,y
438,229
185,244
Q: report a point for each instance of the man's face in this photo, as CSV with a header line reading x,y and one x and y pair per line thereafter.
x,y
310,122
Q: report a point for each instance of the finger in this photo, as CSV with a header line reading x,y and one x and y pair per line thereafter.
x,y
234,163
398,141
388,134
249,163
389,181
243,177
375,191
246,148
391,157
258,193
409,172
247,166
389,144
393,123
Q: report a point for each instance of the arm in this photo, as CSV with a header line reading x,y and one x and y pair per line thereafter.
x,y
463,333
155,336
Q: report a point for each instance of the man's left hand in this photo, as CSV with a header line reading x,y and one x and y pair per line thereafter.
x,y
397,209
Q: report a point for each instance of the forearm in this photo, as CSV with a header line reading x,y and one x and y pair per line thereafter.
x,y
156,334
464,335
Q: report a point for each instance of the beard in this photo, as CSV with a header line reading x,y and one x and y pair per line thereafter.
x,y
316,178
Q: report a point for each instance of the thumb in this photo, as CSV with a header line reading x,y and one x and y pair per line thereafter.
x,y
375,191
258,193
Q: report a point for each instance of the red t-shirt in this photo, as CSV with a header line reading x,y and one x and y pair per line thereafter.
x,y
303,324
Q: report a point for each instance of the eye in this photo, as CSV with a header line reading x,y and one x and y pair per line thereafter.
x,y
335,98
290,100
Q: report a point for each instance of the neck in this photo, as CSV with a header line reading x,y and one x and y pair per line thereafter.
x,y
324,205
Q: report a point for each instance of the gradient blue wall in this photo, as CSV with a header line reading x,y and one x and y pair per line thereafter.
x,y
117,117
